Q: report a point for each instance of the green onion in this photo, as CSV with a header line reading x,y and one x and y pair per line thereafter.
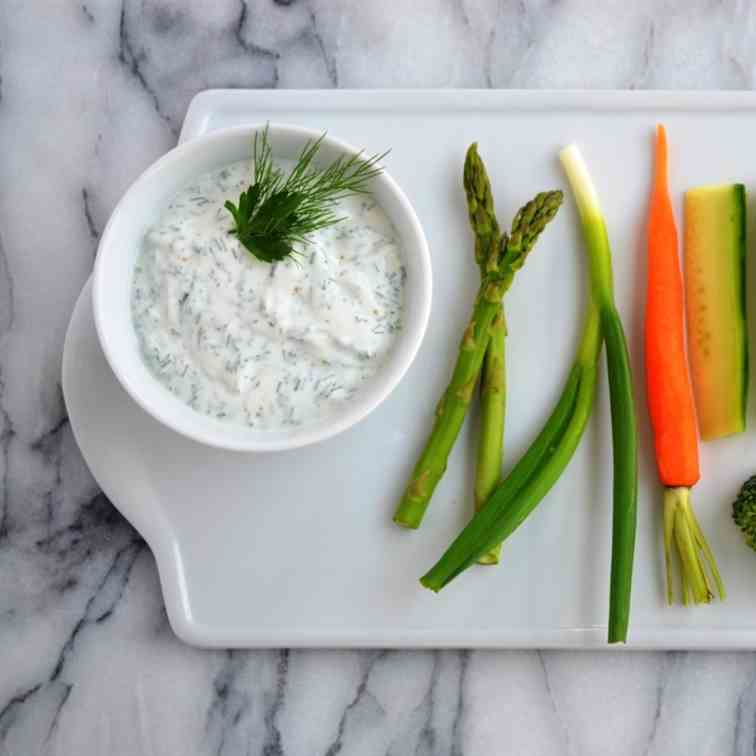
x,y
624,431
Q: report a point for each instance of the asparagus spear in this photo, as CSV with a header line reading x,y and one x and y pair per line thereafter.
x,y
493,408
484,225
501,267
490,450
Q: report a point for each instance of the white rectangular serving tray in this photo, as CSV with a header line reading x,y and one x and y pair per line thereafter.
x,y
298,548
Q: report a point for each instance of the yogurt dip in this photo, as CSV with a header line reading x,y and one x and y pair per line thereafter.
x,y
265,345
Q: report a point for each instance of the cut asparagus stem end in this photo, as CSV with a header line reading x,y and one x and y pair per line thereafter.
x,y
682,530
491,557
406,524
410,514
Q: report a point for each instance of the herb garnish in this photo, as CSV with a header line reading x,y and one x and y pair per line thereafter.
x,y
277,212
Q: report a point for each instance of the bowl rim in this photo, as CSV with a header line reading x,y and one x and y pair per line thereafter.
x,y
388,378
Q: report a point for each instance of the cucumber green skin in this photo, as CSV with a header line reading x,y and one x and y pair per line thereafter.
x,y
730,217
740,202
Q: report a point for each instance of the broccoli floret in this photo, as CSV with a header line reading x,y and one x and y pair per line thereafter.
x,y
744,511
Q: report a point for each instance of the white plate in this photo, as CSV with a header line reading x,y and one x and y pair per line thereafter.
x,y
298,548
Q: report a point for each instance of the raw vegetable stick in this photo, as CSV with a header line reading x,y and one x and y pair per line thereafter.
x,y
501,268
493,408
715,280
670,394
624,433
484,225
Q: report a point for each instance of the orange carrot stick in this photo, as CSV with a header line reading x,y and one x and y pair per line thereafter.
x,y
670,393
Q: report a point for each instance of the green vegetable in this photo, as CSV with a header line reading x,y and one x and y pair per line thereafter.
x,y
543,463
744,511
493,408
624,433
450,413
484,225
715,261
536,471
276,213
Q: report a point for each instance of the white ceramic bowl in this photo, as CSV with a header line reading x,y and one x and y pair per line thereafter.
x,y
121,243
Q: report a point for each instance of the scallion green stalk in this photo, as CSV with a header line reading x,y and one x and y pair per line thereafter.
x,y
624,431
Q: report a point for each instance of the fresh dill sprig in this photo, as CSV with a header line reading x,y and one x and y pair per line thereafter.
x,y
277,212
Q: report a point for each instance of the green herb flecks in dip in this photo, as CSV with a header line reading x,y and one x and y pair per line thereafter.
x,y
267,346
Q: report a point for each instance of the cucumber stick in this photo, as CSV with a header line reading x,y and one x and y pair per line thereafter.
x,y
715,261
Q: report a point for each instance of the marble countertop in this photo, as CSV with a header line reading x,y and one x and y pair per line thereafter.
x,y
90,94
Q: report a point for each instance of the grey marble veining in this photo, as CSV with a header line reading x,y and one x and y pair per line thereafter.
x,y
90,94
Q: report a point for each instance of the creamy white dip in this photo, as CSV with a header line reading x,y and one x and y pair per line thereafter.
x,y
268,346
